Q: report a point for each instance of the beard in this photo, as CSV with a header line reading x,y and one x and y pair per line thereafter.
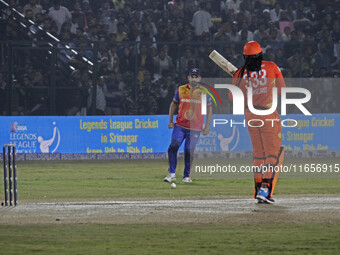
x,y
193,83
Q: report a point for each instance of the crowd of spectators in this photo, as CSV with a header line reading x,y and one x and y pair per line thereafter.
x,y
143,49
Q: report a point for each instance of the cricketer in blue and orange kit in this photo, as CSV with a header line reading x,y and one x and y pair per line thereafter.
x,y
189,122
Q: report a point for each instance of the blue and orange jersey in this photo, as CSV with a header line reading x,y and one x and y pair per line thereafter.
x,y
190,103
262,83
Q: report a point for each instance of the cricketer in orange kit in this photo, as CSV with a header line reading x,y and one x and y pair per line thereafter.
x,y
262,76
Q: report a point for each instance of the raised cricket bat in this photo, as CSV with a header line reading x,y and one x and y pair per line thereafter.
x,y
222,62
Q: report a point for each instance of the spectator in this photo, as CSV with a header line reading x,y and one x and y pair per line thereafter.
x,y
275,13
148,94
164,31
283,16
247,35
321,32
78,16
121,35
144,60
86,8
291,16
76,98
291,47
189,36
323,56
164,21
201,20
66,27
100,100
265,17
137,16
126,61
230,53
243,36
294,64
105,11
274,36
280,60
234,35
39,18
49,26
300,13
34,7
174,11
147,35
74,23
118,4
114,94
328,21
59,14
299,44
113,58
134,31
270,55
313,14
254,24
79,36
163,63
166,93
25,94
286,34
308,60
128,104
186,59
126,11
223,34
273,26
260,33
112,23
148,20
336,32
231,4
243,15
104,67
39,94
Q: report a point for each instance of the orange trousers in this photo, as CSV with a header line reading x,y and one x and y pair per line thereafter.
x,y
266,137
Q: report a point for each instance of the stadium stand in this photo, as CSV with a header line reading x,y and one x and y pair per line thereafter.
x,y
57,56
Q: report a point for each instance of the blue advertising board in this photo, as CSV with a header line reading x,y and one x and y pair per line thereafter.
x,y
97,134
150,134
316,132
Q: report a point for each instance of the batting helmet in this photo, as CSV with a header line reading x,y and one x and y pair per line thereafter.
x,y
252,48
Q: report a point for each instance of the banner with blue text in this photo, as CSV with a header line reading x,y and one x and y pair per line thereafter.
x,y
150,134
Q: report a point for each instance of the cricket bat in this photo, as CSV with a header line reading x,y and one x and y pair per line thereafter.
x,y
222,62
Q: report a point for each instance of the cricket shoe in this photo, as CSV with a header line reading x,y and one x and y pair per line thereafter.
x,y
170,177
264,196
186,179
259,201
267,201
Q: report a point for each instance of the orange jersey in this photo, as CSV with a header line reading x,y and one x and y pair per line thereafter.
x,y
189,110
262,83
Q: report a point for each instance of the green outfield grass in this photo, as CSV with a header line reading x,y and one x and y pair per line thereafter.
x,y
45,180
171,239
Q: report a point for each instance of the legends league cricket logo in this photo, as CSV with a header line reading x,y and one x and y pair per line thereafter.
x,y
45,144
224,142
14,127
